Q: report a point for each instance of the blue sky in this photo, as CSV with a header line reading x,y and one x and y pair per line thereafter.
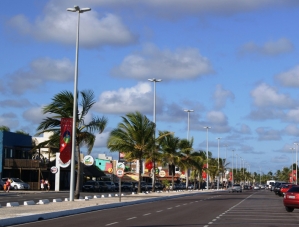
x,y
235,63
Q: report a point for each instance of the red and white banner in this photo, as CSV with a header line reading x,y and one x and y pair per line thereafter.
x,y
66,139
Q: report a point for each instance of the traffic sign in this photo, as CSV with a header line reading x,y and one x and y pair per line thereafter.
x,y
120,165
119,173
162,173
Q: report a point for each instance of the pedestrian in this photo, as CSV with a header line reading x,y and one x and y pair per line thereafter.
x,y
42,184
46,184
7,185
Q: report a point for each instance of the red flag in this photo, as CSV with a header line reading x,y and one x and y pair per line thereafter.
x,y
66,139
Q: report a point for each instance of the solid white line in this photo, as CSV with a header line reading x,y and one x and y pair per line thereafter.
x,y
146,214
131,218
113,223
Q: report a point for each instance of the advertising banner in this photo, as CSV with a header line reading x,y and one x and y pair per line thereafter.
x,y
66,139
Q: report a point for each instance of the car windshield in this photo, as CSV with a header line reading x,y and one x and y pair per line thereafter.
x,y
17,180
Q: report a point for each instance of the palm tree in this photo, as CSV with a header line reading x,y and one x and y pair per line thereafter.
x,y
62,107
133,137
189,159
170,154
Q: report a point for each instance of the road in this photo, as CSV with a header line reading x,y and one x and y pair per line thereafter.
x,y
250,208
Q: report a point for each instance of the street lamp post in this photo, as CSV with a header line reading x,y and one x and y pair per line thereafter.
x,y
292,148
188,111
154,119
72,180
207,128
296,162
187,170
218,165
233,168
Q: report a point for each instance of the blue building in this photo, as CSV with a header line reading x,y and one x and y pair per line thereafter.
x,y
16,158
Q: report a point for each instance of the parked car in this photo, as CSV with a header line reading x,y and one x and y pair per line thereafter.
x,y
235,188
278,187
143,186
149,186
91,186
256,187
16,183
158,186
110,185
2,184
103,186
291,199
127,186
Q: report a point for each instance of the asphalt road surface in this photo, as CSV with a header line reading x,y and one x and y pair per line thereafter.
x,y
250,208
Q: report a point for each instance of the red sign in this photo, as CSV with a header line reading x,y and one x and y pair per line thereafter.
x,y
66,139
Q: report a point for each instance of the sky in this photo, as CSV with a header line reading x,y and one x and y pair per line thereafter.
x,y
235,63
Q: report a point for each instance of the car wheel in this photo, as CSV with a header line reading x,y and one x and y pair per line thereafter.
x,y
289,209
15,187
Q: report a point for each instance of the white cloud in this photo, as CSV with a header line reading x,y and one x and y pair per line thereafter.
x,y
17,103
221,95
9,119
34,115
293,115
266,96
289,78
292,130
40,71
165,64
58,25
243,129
280,46
217,121
280,159
125,100
266,114
101,139
268,134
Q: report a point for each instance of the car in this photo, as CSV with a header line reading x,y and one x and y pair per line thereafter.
x,y
291,199
110,185
158,186
91,186
127,186
256,187
278,187
16,183
235,188
1,184
103,186
149,186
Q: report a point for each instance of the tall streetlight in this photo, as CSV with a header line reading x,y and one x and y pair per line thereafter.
x,y
72,180
154,119
188,111
187,170
218,164
296,162
292,148
207,128
233,167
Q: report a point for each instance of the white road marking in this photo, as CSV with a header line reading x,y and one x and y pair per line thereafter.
x,y
131,218
113,223
146,214
159,211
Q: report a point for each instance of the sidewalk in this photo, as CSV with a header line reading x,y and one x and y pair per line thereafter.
x,y
19,213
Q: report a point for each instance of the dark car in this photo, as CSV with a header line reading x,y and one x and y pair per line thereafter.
x,y
110,185
91,186
103,186
143,186
127,186
278,187
2,184
291,199
158,186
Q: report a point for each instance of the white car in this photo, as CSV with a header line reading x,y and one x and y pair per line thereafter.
x,y
17,183
256,187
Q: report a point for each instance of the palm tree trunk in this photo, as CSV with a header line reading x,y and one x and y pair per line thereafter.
x,y
139,180
79,174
